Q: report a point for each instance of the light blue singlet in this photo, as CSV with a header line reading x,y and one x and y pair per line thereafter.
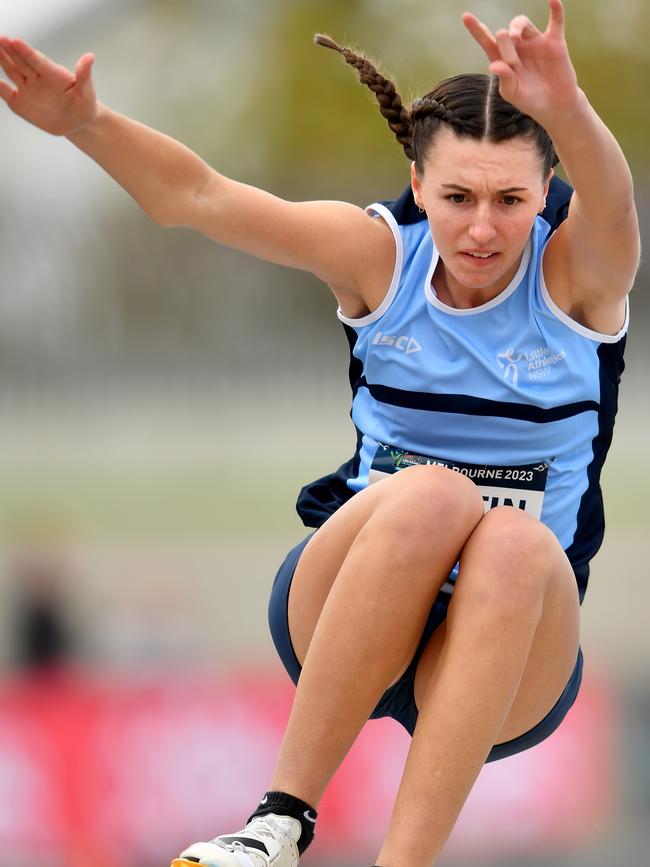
x,y
514,394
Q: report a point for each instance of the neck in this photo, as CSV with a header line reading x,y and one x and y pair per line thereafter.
x,y
453,293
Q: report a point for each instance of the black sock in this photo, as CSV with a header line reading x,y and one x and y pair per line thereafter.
x,y
288,805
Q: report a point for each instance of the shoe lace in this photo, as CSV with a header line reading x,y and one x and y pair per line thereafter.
x,y
264,826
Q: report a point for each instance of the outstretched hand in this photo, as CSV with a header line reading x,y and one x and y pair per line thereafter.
x,y
44,93
534,68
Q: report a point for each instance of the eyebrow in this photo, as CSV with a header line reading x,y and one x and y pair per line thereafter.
x,y
467,190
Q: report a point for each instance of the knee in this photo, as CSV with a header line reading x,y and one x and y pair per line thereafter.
x,y
425,502
516,557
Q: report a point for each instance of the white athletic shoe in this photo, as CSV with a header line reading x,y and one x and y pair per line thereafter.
x,y
267,841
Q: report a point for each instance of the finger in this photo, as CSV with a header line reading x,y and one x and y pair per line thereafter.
x,y
6,91
38,63
482,34
521,26
8,66
556,18
507,48
23,68
507,79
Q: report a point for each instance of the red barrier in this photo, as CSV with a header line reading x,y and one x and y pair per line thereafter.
x,y
103,772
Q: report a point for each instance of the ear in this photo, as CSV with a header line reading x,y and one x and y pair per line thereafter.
x,y
547,183
416,187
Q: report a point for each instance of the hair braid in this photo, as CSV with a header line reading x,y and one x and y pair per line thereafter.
x,y
429,106
390,102
469,103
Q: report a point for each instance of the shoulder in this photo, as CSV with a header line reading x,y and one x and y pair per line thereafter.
x,y
588,272
392,247
376,253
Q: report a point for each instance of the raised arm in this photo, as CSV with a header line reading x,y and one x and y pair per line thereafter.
x,y
336,241
592,258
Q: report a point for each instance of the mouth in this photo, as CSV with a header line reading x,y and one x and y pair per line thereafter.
x,y
477,257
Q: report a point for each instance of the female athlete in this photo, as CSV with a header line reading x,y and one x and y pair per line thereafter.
x,y
443,585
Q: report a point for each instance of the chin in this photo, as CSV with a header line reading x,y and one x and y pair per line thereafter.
x,y
480,281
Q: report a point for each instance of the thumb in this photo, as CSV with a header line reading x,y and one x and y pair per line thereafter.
x,y
7,92
83,69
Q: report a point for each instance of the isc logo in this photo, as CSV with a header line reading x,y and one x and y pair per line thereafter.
x,y
403,343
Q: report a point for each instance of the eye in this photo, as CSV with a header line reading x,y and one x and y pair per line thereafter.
x,y
510,200
456,198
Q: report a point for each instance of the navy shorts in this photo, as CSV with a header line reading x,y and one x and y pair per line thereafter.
x,y
398,701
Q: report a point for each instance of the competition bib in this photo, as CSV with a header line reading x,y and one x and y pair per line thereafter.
x,y
521,487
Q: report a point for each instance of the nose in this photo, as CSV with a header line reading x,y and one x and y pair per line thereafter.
x,y
482,229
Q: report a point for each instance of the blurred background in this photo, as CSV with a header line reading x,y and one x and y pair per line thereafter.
x,y
164,399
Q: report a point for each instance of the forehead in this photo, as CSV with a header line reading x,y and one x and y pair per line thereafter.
x,y
473,163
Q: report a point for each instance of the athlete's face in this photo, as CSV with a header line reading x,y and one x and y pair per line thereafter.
x,y
481,200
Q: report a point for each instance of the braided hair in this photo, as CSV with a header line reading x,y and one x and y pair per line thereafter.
x,y
470,104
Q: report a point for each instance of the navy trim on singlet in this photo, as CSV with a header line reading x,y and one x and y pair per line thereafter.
x,y
355,371
318,500
590,527
467,404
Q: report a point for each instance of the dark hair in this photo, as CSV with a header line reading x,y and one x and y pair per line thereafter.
x,y
471,104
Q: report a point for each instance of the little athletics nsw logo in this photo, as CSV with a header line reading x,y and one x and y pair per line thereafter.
x,y
534,364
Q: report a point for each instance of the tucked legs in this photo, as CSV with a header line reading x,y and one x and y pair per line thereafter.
x,y
360,597
492,671
403,536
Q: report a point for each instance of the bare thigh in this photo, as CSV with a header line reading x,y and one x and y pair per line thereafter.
x,y
324,554
554,648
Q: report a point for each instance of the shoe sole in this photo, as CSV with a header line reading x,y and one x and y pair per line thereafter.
x,y
182,862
